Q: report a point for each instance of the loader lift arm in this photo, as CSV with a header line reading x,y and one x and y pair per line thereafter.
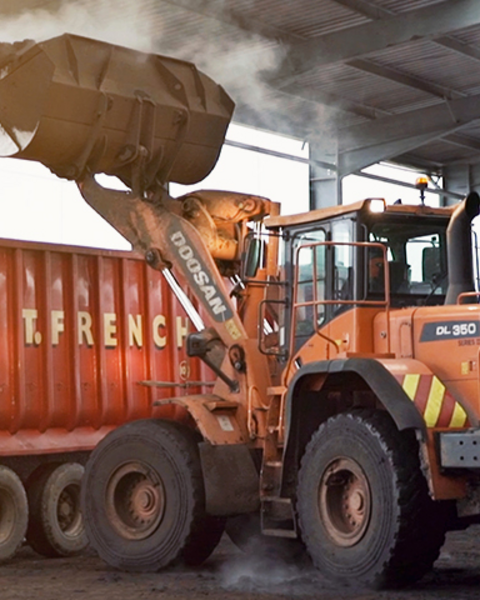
x,y
161,228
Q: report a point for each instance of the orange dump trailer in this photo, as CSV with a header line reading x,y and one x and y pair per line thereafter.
x,y
88,340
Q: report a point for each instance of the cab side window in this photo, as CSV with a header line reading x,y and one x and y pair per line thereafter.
x,y
343,276
311,282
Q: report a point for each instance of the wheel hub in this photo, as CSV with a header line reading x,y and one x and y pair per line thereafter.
x,y
345,501
145,499
68,511
135,501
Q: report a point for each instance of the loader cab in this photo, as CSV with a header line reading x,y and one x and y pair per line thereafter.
x,y
416,250
362,255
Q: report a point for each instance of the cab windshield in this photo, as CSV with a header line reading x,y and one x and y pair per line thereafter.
x,y
417,259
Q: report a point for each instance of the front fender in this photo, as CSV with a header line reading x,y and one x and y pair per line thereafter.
x,y
230,476
217,420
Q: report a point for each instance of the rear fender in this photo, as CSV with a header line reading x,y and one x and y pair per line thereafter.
x,y
320,390
437,405
372,375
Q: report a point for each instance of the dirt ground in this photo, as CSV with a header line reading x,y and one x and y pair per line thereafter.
x,y
228,575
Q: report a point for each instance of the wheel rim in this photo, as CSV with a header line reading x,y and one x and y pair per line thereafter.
x,y
135,501
7,515
69,517
345,501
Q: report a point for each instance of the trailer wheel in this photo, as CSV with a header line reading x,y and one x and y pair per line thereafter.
x,y
55,526
143,498
13,513
363,504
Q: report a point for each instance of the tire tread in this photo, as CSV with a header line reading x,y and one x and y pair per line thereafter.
x,y
420,526
197,534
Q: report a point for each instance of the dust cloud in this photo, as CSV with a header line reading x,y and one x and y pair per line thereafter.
x,y
250,573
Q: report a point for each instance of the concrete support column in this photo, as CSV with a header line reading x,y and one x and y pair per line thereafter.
x,y
325,189
457,178
461,179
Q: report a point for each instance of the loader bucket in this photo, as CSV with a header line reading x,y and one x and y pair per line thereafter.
x,y
77,104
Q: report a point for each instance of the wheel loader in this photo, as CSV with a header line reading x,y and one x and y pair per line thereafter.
x,y
344,420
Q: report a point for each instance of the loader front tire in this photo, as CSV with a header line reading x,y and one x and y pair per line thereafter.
x,y
363,504
143,498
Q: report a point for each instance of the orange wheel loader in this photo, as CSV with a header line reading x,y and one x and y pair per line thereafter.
x,y
344,420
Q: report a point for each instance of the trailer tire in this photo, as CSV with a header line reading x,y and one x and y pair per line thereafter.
x,y
363,504
13,513
55,527
143,498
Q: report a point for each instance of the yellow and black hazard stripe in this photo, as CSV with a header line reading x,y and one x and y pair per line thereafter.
x,y
438,407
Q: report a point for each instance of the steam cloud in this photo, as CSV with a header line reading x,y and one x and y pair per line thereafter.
x,y
239,60
126,24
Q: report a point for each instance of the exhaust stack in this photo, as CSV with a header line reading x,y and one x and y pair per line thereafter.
x,y
77,104
459,248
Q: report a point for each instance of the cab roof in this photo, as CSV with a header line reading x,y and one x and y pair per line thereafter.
x,y
322,214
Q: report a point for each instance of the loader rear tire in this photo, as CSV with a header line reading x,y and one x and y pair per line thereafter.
x,y
13,513
363,504
143,498
55,527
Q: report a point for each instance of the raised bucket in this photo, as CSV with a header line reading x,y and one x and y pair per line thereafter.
x,y
74,103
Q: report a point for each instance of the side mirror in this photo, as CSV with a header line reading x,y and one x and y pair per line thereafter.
x,y
252,257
